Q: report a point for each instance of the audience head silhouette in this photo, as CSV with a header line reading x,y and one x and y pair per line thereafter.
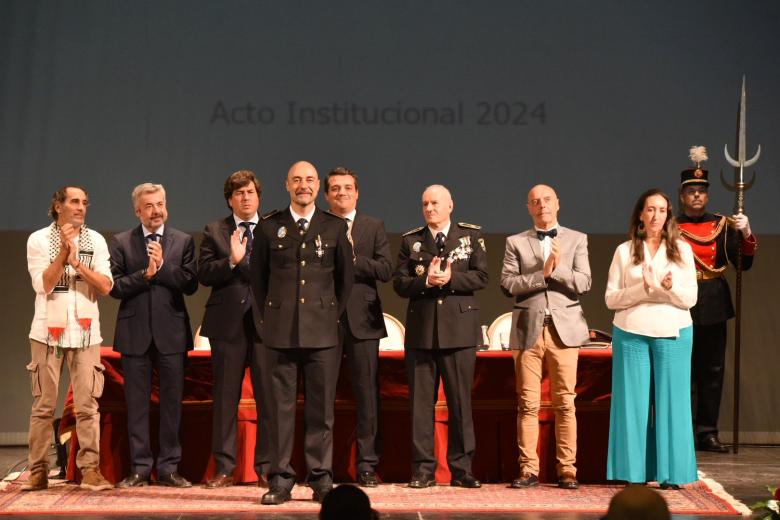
x,y
347,502
638,503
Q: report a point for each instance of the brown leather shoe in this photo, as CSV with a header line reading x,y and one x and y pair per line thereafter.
x,y
568,481
219,481
525,480
92,479
38,480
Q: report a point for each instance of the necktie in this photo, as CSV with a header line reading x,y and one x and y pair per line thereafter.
x,y
349,229
552,233
303,225
152,237
440,241
249,237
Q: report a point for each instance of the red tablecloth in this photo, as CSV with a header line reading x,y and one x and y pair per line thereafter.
x,y
494,408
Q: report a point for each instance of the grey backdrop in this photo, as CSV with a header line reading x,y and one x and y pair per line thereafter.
x,y
113,93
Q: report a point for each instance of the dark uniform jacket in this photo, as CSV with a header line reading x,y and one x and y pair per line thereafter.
x,y
713,249
300,283
452,309
154,309
230,294
372,262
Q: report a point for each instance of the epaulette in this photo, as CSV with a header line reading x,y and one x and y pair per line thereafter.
x,y
412,231
269,214
469,226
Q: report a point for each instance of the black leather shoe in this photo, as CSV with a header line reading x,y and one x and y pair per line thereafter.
x,y
318,492
422,480
132,480
525,480
262,482
568,481
219,481
711,443
275,496
466,481
367,479
667,486
173,480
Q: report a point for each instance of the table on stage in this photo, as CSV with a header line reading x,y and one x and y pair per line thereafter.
x,y
494,408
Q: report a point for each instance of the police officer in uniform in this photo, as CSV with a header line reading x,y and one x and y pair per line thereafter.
x,y
715,240
301,273
440,266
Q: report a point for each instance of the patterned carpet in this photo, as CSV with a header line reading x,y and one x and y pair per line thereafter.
x,y
67,498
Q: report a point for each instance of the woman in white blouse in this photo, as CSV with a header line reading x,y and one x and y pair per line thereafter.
x,y
651,287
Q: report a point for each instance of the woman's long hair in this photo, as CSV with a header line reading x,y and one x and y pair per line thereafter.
x,y
670,234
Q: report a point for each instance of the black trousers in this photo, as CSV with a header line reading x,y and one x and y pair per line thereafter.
x,y
363,359
708,366
456,368
138,391
229,359
320,370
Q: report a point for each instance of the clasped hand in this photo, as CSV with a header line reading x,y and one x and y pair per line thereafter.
x,y
69,247
155,259
437,277
552,261
648,277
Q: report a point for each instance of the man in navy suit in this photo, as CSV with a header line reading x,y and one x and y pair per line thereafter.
x,y
153,267
363,324
223,265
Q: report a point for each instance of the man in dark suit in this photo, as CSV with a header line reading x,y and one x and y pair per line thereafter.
x,y
153,267
363,324
223,265
440,265
302,274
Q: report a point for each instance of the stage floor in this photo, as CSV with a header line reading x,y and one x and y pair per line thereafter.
x,y
744,476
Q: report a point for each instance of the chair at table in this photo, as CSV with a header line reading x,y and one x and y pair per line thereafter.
x,y
499,329
201,342
395,334
598,339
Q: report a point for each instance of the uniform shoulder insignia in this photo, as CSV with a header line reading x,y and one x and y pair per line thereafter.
x,y
413,231
269,214
469,226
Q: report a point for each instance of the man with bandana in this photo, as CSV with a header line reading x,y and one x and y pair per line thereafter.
x,y
440,266
69,267
715,240
301,273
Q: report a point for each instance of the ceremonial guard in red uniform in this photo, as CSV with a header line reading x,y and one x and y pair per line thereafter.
x,y
715,240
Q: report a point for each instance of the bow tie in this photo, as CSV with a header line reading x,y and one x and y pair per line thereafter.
x,y
552,233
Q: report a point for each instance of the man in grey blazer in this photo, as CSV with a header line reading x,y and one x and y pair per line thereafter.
x,y
546,269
